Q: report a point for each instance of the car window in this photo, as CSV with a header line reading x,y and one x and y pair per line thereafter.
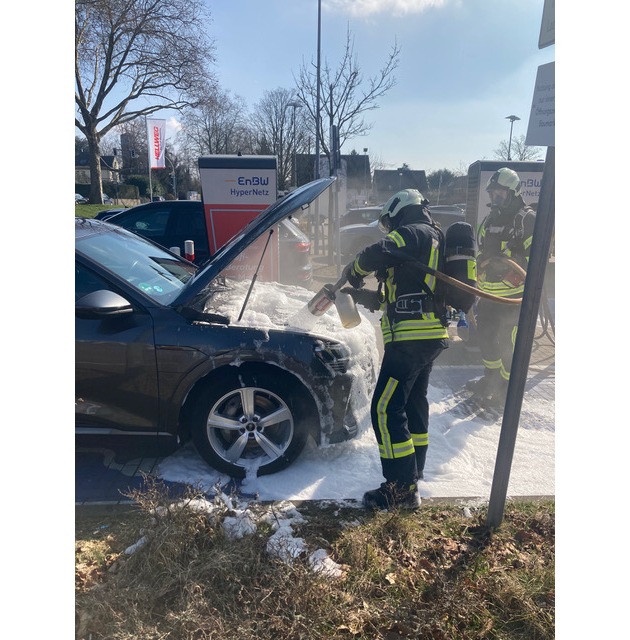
x,y
151,224
86,281
189,224
141,264
288,230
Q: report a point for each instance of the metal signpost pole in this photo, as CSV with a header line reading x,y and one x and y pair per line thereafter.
x,y
543,229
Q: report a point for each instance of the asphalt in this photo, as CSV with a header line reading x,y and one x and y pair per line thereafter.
x,y
106,475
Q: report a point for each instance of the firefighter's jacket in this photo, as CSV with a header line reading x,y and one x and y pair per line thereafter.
x,y
505,233
410,309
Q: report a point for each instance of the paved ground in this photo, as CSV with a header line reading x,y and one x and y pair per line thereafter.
x,y
104,477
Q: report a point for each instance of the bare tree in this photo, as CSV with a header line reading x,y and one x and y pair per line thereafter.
x,y
217,124
132,59
518,150
273,124
345,95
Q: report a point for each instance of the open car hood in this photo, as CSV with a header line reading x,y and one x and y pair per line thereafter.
x,y
272,215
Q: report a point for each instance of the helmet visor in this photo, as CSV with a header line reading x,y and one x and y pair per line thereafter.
x,y
385,223
499,196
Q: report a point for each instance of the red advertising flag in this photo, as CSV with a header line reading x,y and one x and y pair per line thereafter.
x,y
156,137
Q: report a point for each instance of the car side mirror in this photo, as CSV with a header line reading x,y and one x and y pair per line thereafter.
x,y
102,304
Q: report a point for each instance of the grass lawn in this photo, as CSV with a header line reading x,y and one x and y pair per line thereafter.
x,y
160,569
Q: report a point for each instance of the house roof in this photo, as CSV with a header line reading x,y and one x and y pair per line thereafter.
x,y
107,162
392,180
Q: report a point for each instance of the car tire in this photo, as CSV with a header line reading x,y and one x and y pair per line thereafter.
x,y
250,422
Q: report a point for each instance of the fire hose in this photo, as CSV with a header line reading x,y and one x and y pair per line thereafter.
x,y
477,292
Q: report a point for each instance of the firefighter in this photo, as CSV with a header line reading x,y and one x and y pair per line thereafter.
x,y
505,235
414,334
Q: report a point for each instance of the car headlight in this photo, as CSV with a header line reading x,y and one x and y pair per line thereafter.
x,y
333,355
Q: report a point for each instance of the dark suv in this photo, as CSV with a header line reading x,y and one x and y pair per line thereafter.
x,y
161,353
171,222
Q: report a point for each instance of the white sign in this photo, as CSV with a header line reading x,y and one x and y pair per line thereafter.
x,y
235,189
541,130
548,25
156,136
239,185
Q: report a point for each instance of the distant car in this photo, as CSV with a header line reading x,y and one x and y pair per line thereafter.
x,y
360,215
354,238
79,199
171,222
160,356
447,210
107,199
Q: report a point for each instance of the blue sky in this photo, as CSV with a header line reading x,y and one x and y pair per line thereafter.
x,y
464,66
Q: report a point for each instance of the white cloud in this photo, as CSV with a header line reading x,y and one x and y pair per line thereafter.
x,y
365,8
173,124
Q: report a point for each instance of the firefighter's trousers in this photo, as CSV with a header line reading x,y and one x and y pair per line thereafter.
x,y
496,331
400,409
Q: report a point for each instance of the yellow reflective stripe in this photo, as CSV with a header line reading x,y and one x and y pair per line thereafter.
x,y
514,330
472,270
505,374
418,335
433,263
430,322
420,439
402,449
381,413
502,289
527,243
357,268
412,330
397,238
491,364
391,286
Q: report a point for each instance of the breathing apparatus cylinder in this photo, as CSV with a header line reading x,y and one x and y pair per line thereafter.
x,y
460,263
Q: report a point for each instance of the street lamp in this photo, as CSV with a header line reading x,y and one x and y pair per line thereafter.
x,y
511,119
296,105
365,167
173,174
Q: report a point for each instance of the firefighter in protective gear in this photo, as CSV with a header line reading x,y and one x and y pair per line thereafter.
x,y
414,334
505,235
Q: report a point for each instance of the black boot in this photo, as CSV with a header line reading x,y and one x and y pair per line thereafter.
x,y
391,495
400,488
485,386
497,398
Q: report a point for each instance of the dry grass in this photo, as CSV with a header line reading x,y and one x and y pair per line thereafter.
x,y
433,574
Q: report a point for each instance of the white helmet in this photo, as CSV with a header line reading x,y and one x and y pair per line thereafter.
x,y
396,204
505,178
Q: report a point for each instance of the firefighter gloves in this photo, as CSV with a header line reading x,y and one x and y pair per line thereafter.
x,y
365,297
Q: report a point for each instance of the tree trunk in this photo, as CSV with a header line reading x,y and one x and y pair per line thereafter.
x,y
96,181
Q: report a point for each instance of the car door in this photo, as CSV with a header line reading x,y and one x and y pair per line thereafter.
x,y
170,224
116,388
187,222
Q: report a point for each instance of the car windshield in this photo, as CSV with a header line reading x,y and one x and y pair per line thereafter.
x,y
138,262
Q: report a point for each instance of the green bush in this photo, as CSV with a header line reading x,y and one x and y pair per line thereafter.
x,y
122,191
